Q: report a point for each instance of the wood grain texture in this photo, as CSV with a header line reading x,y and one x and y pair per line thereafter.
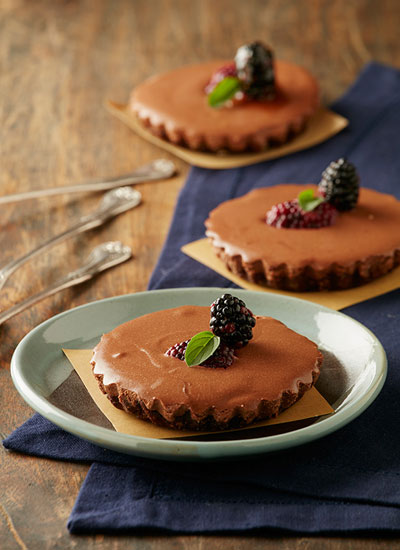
x,y
59,60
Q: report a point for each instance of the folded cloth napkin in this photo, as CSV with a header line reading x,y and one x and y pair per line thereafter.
x,y
348,482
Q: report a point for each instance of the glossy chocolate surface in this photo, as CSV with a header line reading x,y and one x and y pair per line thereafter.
x,y
371,229
175,105
133,357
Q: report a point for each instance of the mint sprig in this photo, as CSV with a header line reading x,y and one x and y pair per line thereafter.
x,y
201,347
224,90
308,201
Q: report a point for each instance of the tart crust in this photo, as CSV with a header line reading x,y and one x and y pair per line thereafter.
x,y
267,376
173,106
362,245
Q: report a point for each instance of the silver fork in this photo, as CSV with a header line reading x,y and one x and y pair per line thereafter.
x,y
113,203
102,257
156,170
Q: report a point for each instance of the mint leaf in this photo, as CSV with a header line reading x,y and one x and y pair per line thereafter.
x,y
223,91
201,347
308,201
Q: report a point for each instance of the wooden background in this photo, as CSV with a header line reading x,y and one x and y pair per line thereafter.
x,y
59,61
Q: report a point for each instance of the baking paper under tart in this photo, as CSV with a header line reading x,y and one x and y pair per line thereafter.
x,y
310,406
320,127
202,251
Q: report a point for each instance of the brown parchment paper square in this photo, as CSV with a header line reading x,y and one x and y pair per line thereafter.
x,y
311,405
323,125
202,251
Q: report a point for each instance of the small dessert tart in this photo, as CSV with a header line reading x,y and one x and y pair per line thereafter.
x,y
165,368
307,237
248,105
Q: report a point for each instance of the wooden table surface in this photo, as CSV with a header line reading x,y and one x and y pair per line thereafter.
x,y
60,59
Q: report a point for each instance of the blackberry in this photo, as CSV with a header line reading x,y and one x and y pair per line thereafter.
x,y
289,214
255,70
285,214
232,321
340,185
222,357
323,215
178,350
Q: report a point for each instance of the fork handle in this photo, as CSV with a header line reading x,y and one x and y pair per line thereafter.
x,y
103,257
84,224
61,284
153,171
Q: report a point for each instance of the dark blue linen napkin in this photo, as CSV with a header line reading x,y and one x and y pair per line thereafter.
x,y
344,483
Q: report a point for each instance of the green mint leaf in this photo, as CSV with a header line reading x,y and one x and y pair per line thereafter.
x,y
201,347
223,91
308,201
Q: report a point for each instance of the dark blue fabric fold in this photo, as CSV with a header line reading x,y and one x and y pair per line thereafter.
x,y
133,499
348,482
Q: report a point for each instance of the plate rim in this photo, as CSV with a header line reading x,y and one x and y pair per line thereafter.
x,y
176,449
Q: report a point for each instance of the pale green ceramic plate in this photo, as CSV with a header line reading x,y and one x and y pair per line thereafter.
x,y
352,377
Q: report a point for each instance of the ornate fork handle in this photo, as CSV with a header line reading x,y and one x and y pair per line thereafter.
x,y
113,203
102,257
156,170
84,224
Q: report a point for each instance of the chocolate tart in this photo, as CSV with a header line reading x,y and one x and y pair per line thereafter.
x,y
360,246
266,377
174,107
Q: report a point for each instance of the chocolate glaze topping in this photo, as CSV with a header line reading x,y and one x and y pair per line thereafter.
x,y
132,358
174,105
371,229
